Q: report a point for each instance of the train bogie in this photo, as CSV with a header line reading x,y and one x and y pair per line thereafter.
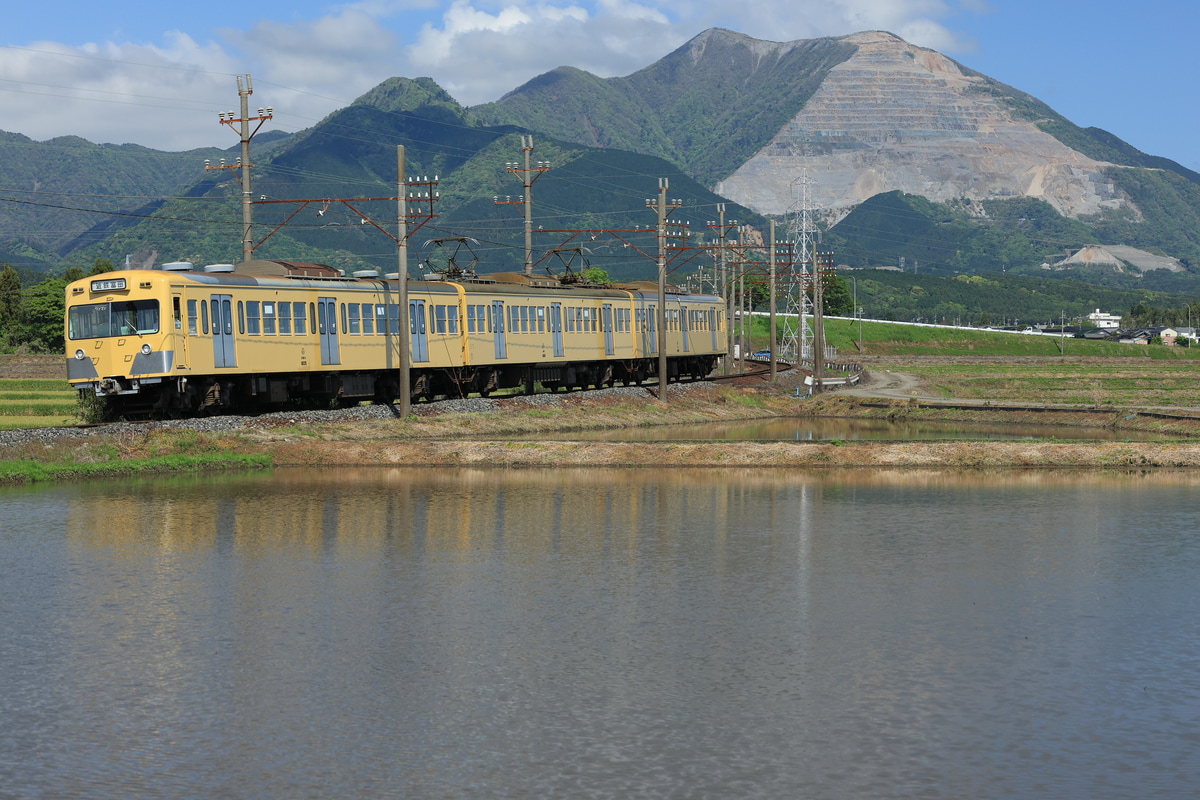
x,y
269,334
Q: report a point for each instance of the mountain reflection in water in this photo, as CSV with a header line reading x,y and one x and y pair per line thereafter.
x,y
603,633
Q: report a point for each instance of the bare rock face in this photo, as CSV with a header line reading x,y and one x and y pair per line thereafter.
x,y
899,117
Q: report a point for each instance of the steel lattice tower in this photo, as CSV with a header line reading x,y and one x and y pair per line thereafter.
x,y
797,345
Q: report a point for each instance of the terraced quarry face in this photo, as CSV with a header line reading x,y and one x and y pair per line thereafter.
x,y
898,117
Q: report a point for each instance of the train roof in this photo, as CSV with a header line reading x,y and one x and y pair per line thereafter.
x,y
266,272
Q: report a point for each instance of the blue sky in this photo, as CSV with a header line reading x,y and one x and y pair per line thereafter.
x,y
157,74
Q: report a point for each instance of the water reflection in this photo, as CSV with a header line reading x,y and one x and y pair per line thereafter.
x,y
603,633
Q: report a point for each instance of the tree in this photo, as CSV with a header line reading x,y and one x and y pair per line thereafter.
x,y
837,299
10,301
596,275
101,266
44,307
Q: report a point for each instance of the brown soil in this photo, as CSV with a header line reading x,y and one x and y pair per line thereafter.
x,y
30,367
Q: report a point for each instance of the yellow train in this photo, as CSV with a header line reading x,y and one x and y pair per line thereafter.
x,y
179,341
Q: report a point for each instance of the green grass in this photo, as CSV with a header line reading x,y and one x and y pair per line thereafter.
x,y
883,338
33,471
51,421
35,385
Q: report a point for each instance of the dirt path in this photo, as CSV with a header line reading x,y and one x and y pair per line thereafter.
x,y
893,385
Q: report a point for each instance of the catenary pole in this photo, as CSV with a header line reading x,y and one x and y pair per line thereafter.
x,y
402,285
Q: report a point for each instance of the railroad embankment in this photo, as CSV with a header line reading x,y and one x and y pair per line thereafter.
x,y
481,433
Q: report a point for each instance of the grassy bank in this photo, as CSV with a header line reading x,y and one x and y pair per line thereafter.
x,y
114,456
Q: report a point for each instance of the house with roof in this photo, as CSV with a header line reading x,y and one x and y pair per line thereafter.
x,y
1105,322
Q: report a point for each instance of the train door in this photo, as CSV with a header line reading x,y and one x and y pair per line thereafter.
x,y
606,322
182,344
221,306
556,328
498,328
327,330
683,328
652,330
417,330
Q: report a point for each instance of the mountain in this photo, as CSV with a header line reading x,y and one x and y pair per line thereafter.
x,y
708,107
351,154
905,153
867,115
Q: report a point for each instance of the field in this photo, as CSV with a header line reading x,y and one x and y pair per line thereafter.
x,y
888,339
37,402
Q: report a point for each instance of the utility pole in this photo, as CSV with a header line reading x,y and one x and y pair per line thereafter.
x,y
242,123
772,259
726,285
528,175
663,209
743,333
822,266
404,338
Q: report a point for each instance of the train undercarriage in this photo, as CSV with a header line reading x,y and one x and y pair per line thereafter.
x,y
181,397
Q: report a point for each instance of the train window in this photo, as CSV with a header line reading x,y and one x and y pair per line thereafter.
x,y
368,319
382,316
439,325
204,318
524,319
353,317
312,318
252,327
541,319
191,306
393,318
268,319
471,319
452,320
241,318
175,302
285,319
298,319
334,322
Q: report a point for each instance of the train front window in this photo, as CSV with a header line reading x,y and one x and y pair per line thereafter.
x,y
102,320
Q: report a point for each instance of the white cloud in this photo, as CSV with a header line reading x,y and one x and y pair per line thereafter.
x,y
167,95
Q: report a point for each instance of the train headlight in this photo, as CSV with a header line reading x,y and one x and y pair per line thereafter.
x,y
145,349
79,355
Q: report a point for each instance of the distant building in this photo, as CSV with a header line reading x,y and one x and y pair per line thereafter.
x,y
1104,321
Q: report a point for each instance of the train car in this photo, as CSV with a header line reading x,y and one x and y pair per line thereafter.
x,y
180,341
